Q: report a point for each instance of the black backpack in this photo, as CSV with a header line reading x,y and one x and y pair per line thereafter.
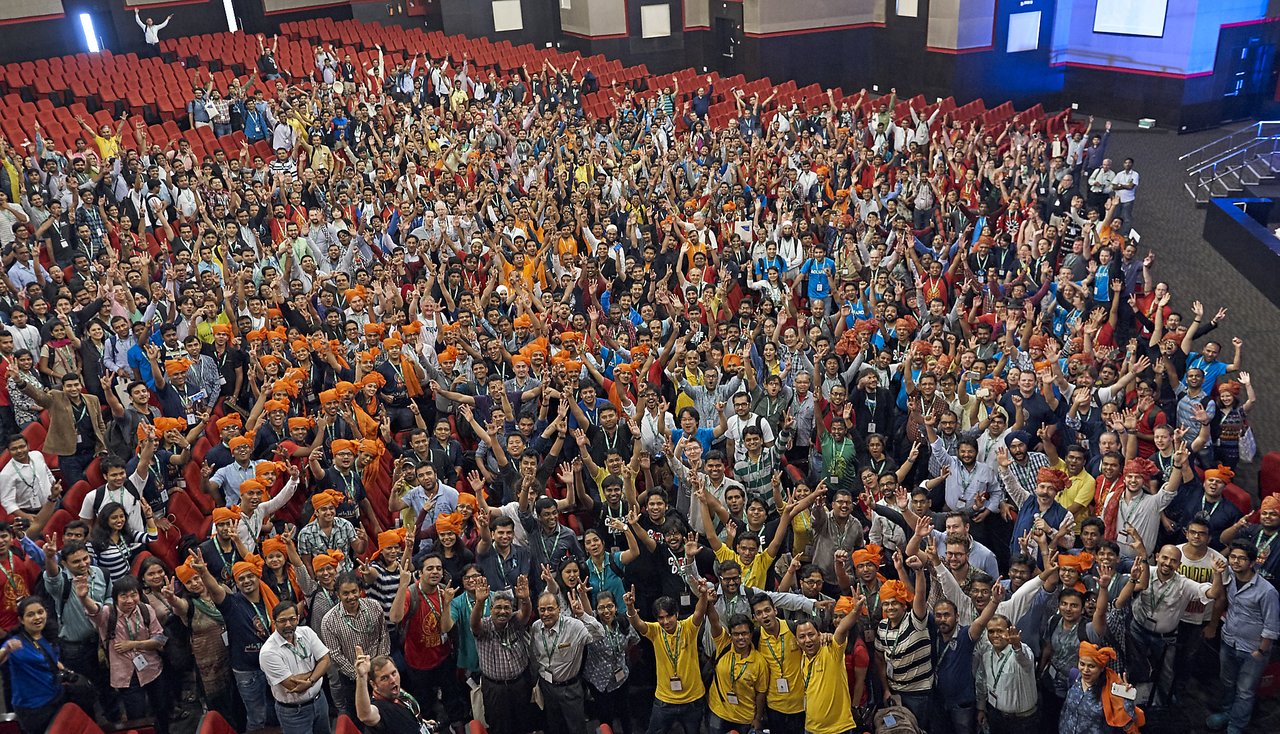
x,y
113,618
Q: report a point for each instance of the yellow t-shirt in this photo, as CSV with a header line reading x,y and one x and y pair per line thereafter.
x,y
827,709
754,574
677,657
802,531
783,658
738,681
1079,491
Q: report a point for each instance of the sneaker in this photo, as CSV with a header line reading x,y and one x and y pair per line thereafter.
x,y
1217,722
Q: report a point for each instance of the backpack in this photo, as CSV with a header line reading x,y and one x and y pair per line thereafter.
x,y
100,498
895,719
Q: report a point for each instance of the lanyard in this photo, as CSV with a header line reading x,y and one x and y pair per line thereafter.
x,y
774,653
262,615
809,664
998,672
435,607
733,661
299,650
1207,510
356,617
672,655
550,649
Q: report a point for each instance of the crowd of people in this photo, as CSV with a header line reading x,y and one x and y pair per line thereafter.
x,y
834,419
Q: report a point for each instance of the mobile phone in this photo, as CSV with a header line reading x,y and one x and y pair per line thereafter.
x,y
1128,693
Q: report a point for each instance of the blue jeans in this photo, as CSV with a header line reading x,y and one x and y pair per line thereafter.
x,y
73,467
256,695
1239,673
717,725
310,718
688,715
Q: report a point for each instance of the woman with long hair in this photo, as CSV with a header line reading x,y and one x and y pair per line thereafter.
x,y
112,546
1231,420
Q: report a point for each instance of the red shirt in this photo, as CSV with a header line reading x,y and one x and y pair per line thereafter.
x,y
424,647
17,577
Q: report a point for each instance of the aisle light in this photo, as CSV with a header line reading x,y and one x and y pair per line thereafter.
x,y
90,37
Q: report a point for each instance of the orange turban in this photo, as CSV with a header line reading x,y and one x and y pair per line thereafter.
x,y
286,386
345,388
1141,466
185,572
448,354
326,498
1112,705
626,368
274,313
299,423
1270,503
342,444
229,420
1222,473
449,522
450,328
274,545
164,425
249,484
389,538
996,385
177,366
870,553
262,468
270,405
1055,477
731,360
374,328
1082,562
412,328
844,605
522,321
300,345
278,333
239,441
895,590
570,336
268,359
223,329
329,396
256,335
572,366
371,446
466,498
374,378
392,342
357,292
369,356
331,558
222,514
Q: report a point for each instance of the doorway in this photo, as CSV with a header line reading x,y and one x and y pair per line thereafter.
x,y
726,34
1247,66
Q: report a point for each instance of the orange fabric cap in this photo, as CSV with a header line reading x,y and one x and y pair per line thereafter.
x,y
389,538
331,558
326,498
222,514
895,590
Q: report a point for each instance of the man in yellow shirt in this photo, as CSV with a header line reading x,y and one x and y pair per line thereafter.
x,y
680,692
1079,492
827,707
785,698
746,546
741,683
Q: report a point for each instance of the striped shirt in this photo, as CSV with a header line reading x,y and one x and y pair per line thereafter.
x,y
908,653
757,475
116,559
383,590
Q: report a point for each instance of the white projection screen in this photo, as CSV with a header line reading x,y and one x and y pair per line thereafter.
x,y
16,10
1131,17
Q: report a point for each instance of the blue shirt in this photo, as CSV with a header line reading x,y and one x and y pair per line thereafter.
x,y
141,365
819,272
248,626
955,667
1253,613
1212,370
30,675
230,477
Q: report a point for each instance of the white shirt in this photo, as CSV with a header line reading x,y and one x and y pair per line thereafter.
x,y
1200,571
124,496
735,426
151,33
1160,606
1125,178
279,660
1007,678
25,486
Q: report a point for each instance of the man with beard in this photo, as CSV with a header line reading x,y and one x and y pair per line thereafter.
x,y
355,623
954,649
1263,536
503,651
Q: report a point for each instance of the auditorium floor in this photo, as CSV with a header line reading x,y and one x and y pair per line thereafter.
x,y
1171,225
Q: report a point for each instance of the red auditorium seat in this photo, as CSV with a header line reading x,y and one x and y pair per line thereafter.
x,y
71,719
345,726
74,497
34,434
213,723
186,515
1269,474
57,523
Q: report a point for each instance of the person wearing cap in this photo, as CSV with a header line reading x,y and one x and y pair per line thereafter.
x,y
295,660
224,483
328,532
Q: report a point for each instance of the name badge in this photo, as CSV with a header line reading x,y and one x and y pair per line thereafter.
x,y
139,662
546,675
783,686
676,685
620,675
871,427
685,600
731,698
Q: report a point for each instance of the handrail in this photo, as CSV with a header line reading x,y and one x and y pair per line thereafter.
x,y
1242,148
1208,145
